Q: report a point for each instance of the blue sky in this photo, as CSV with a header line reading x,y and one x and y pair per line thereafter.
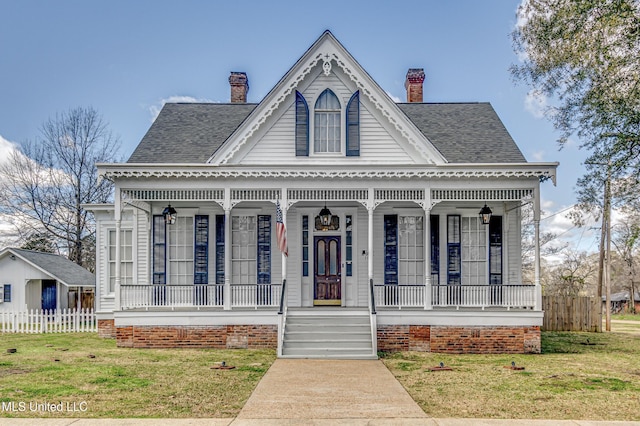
x,y
125,58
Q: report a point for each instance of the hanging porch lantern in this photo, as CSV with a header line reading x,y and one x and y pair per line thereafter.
x,y
325,221
169,214
325,216
485,215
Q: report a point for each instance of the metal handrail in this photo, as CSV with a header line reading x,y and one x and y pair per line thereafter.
x,y
284,286
373,297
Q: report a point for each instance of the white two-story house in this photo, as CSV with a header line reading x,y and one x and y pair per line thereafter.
x,y
325,221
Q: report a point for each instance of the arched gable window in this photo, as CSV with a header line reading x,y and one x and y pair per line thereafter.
x,y
327,123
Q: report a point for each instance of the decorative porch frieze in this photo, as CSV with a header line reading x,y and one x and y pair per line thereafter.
x,y
216,195
439,172
238,195
481,194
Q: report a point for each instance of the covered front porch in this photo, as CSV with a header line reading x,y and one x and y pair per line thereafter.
x,y
379,247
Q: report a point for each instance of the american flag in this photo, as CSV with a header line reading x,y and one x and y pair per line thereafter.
x,y
281,231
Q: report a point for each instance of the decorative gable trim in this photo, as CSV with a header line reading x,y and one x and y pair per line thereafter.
x,y
328,50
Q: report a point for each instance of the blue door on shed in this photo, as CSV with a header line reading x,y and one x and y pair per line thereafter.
x,y
48,294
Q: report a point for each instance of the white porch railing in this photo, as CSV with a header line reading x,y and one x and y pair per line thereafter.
x,y
48,321
143,296
457,296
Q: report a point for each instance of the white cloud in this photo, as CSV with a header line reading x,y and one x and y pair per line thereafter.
x,y
559,223
155,109
535,103
394,98
7,231
6,148
538,155
547,205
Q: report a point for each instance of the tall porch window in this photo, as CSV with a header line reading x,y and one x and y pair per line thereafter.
x,y
244,250
473,256
474,251
180,257
251,249
404,249
126,258
181,250
411,250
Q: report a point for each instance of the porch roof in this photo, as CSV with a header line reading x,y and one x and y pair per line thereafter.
x,y
461,132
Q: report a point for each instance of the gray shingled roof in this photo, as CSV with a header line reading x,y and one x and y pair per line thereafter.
x,y
189,132
462,132
58,267
465,132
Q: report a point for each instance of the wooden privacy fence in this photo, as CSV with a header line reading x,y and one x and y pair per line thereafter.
x,y
571,314
48,321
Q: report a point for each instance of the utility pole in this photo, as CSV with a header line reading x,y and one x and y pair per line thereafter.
x,y
607,223
605,247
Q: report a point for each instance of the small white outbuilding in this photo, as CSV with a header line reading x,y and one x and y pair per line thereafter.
x,y
36,280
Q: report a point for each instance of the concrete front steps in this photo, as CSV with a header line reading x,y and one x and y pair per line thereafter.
x,y
332,333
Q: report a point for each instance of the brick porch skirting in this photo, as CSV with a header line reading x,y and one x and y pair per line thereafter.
x,y
391,338
107,329
218,337
445,339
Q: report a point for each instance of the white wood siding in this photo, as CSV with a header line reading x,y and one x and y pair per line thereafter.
x,y
294,260
513,266
361,267
141,244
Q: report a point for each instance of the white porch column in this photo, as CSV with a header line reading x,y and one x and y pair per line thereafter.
x,y
536,227
428,304
284,208
227,249
118,218
370,208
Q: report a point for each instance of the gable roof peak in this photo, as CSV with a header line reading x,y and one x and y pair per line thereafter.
x,y
326,52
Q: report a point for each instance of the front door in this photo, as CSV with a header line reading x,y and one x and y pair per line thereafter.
x,y
327,285
49,296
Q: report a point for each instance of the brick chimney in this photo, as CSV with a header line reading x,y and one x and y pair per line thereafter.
x,y
239,87
413,84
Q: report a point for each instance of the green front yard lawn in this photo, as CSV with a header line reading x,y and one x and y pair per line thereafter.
x,y
579,376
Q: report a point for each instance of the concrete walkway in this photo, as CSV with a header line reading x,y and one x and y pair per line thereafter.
x,y
327,389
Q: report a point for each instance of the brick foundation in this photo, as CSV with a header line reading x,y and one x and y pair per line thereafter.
x,y
106,329
218,337
445,339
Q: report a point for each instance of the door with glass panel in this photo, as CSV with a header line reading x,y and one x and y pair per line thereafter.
x,y
327,284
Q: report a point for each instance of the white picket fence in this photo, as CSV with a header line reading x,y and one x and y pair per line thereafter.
x,y
48,321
